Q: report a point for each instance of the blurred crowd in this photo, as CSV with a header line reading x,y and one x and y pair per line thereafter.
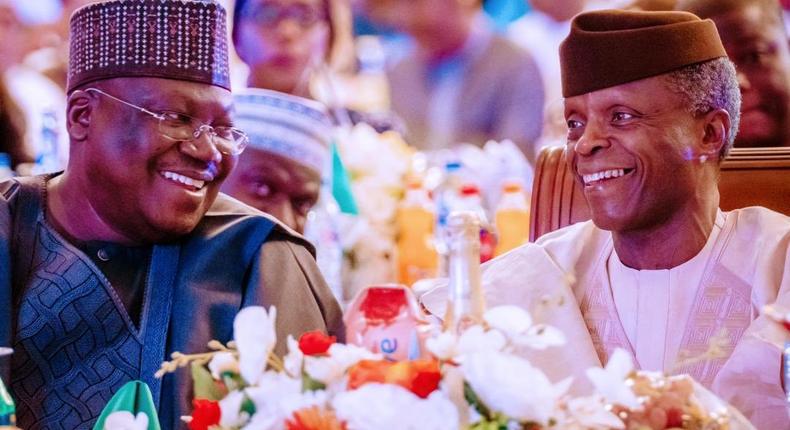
x,y
441,72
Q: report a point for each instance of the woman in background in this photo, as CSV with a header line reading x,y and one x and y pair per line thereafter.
x,y
286,42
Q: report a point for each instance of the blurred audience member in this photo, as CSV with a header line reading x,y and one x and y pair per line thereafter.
x,y
755,38
12,121
12,130
32,105
286,42
51,42
462,82
280,171
540,31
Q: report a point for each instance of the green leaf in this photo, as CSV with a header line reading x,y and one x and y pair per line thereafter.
x,y
134,397
205,386
248,406
310,384
475,402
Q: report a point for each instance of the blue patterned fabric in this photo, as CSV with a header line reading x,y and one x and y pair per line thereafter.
x,y
75,345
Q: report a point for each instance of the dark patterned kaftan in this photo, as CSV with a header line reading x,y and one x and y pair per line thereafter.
x,y
74,342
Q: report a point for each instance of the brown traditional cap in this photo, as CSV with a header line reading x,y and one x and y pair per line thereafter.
x,y
613,47
174,39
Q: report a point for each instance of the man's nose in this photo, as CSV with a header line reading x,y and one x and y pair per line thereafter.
x,y
202,147
593,139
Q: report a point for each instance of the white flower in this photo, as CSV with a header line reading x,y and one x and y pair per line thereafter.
x,y
294,360
448,346
540,337
231,414
264,422
610,381
278,396
124,420
509,384
253,331
444,346
517,325
223,362
391,407
477,339
510,320
589,413
332,368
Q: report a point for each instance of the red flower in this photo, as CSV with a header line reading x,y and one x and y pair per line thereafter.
x,y
421,377
206,413
674,418
426,380
315,343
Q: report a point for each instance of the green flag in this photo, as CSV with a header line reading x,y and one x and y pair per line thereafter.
x,y
133,397
341,185
7,407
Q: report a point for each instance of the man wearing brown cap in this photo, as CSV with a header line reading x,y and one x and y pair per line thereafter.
x,y
132,253
754,35
652,106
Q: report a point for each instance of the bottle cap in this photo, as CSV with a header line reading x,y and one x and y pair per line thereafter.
x,y
383,303
451,166
512,187
470,190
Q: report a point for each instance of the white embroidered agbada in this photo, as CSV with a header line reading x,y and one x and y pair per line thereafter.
x,y
664,318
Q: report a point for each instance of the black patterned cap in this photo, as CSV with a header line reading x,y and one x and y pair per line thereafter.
x,y
174,39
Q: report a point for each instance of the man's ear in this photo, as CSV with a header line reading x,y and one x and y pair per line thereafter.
x,y
79,109
716,133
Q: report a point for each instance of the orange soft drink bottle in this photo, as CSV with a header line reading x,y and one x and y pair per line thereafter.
x,y
415,221
512,218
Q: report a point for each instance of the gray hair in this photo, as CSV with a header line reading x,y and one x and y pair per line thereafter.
x,y
708,86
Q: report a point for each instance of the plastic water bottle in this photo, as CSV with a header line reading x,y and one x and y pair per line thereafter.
x,y
47,153
512,218
446,195
386,319
5,167
321,229
415,220
471,201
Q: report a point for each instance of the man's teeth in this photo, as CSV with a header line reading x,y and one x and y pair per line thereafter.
x,y
183,179
605,174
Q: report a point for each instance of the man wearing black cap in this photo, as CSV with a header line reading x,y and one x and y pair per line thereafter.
x,y
754,35
132,253
652,106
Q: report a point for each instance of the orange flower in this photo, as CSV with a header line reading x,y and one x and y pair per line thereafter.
x,y
421,377
314,418
315,343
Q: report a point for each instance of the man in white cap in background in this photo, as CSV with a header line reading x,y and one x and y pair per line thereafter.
x,y
280,172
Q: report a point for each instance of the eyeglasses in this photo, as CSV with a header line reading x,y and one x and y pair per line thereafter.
x,y
270,14
181,127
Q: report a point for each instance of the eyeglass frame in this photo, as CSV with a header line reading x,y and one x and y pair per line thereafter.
x,y
202,128
252,12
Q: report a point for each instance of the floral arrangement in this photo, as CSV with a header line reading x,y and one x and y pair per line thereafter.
x,y
476,380
378,164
